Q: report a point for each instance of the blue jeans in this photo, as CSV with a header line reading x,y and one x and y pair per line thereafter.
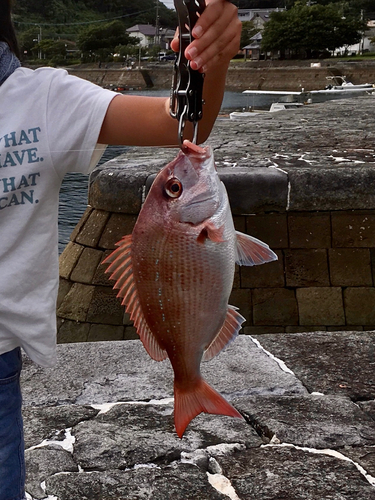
x,y
12,462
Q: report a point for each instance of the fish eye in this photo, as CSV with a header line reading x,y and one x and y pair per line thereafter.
x,y
173,188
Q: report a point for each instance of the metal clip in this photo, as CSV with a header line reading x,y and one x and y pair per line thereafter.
x,y
187,84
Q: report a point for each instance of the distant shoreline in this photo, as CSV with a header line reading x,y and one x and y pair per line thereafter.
x,y
262,75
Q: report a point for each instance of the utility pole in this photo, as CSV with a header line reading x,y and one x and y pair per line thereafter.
x,y
39,40
157,37
362,45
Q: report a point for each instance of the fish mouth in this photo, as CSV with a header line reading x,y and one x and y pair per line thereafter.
x,y
191,149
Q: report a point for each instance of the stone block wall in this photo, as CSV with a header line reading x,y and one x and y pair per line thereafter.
x,y
323,279
87,306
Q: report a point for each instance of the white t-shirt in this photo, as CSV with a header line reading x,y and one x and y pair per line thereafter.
x,y
49,125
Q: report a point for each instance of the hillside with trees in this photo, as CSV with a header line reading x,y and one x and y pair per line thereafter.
x,y
71,31
74,11
53,28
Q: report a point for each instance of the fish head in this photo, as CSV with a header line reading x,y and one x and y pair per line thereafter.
x,y
190,185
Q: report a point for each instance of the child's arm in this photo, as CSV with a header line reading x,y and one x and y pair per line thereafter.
x,y
145,121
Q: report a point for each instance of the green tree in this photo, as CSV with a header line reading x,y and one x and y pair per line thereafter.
x,y
53,50
276,35
102,40
310,30
28,39
248,31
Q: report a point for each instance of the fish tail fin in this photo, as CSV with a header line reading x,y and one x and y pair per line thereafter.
x,y
200,398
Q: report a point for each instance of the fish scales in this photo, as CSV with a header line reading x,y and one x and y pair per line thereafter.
x,y
175,274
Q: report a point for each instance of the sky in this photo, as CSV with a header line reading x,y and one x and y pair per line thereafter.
x,y
168,3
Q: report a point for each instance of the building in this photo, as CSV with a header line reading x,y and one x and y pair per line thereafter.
x,y
259,17
148,37
253,50
365,44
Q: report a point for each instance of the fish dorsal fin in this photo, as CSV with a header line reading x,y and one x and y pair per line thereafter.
x,y
227,333
251,251
120,267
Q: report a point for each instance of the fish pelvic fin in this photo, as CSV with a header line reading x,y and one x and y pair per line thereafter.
x,y
252,252
228,332
200,398
120,267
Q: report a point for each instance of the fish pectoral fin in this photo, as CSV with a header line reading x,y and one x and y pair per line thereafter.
x,y
211,232
226,335
201,397
252,252
120,267
119,255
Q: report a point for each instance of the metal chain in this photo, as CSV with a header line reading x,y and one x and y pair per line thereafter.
x,y
187,84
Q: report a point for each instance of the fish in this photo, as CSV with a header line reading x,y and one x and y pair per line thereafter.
x,y
175,273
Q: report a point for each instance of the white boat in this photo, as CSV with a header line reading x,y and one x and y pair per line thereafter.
x,y
286,93
281,106
265,98
344,91
275,106
242,115
338,93
344,84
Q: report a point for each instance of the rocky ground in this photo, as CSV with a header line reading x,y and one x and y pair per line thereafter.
x,y
100,425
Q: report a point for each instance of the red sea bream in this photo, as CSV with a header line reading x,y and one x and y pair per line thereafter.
x,y
175,274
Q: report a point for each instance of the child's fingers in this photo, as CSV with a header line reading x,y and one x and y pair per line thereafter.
x,y
214,56
175,43
213,11
218,33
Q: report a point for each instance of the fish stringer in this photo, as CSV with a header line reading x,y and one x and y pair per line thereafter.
x,y
186,100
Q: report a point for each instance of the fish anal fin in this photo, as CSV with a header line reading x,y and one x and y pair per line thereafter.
x,y
252,252
200,398
121,268
227,333
211,232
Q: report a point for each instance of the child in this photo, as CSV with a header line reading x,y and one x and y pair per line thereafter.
x,y
52,123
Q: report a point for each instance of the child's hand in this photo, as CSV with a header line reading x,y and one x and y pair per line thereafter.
x,y
217,36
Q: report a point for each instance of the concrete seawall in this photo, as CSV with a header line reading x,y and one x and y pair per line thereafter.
x,y
264,75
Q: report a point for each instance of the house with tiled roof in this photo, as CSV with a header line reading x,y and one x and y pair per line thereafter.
x,y
147,35
259,17
253,50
